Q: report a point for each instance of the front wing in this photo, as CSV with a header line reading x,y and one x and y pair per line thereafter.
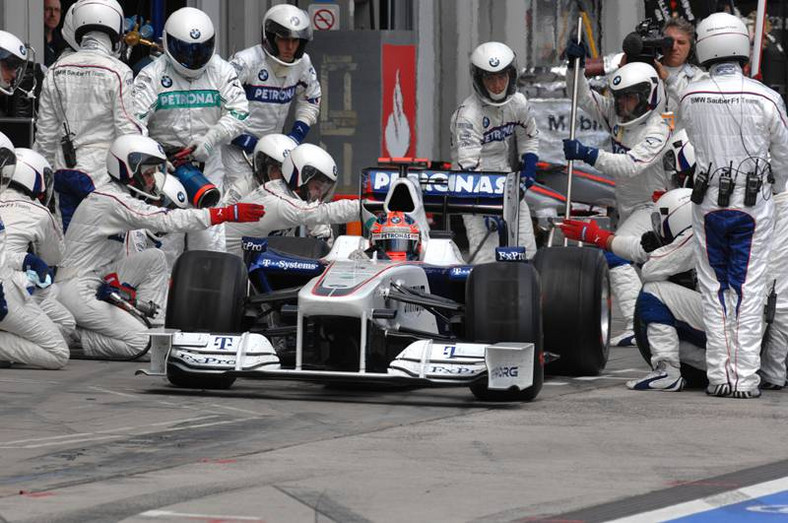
x,y
424,363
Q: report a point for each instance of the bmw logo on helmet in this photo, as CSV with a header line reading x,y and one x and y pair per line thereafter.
x,y
485,122
295,21
161,149
335,170
166,81
617,80
263,75
494,62
22,50
181,197
195,33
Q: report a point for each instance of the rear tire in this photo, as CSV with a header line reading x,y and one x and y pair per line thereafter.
x,y
575,308
207,294
502,304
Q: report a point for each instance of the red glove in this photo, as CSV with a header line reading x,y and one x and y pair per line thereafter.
x,y
587,232
240,212
124,290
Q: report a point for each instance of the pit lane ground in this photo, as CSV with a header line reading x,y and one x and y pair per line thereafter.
x,y
93,442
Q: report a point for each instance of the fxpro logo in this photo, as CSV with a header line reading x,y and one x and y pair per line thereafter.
x,y
506,372
442,183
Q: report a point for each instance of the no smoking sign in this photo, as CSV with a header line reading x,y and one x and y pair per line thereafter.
x,y
324,17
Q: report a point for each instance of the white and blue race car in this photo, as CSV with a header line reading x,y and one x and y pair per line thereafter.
x,y
295,310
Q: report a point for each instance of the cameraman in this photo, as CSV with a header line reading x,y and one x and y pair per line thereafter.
x,y
674,68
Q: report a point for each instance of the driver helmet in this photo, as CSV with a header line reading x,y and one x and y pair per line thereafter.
x,y
673,214
639,83
189,41
722,37
310,172
32,175
396,234
286,21
7,161
105,16
139,164
14,57
270,153
679,161
492,58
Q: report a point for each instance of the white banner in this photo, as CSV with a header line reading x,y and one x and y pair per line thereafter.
x,y
552,119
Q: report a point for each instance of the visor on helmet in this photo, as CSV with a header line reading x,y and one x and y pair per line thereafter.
x,y
45,196
10,63
398,245
191,55
7,167
316,185
633,102
148,176
262,167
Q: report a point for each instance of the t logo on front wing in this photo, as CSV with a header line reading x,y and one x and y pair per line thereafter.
x,y
223,342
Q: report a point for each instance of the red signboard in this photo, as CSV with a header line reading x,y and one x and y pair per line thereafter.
x,y
399,101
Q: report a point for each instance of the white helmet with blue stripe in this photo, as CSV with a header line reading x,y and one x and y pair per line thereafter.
x,y
33,175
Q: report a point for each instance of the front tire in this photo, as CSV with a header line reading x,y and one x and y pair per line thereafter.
x,y
502,304
207,294
575,308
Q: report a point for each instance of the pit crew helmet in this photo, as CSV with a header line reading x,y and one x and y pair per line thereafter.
x,y
679,161
286,21
105,16
130,158
271,151
396,234
173,194
722,37
641,81
14,56
32,175
310,172
673,214
189,41
7,161
492,58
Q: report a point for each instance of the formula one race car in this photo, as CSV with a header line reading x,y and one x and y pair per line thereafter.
x,y
295,310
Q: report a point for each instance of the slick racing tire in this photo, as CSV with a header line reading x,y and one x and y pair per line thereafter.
x,y
207,294
694,378
575,308
502,304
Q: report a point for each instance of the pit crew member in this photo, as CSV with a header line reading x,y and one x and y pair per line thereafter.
x,y
740,132
94,266
482,130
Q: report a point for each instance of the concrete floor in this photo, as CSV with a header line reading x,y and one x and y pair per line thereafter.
x,y
95,443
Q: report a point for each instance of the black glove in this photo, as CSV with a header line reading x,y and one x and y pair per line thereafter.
x,y
575,50
650,241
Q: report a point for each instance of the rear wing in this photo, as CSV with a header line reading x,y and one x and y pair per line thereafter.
x,y
441,191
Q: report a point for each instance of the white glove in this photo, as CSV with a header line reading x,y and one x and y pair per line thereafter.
x,y
35,279
201,150
323,232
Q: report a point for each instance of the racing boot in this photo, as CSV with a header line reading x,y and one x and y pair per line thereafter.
x,y
665,377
